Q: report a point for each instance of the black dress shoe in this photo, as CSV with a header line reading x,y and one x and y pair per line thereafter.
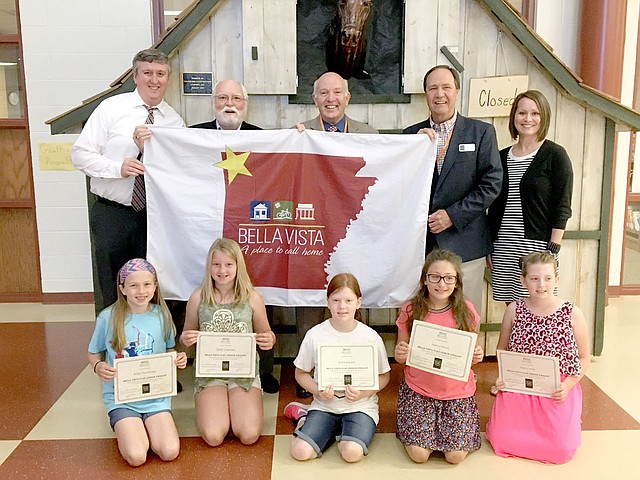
x,y
269,383
302,393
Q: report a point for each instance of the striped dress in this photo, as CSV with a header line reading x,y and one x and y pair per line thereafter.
x,y
511,244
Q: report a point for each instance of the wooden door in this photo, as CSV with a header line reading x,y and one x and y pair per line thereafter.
x,y
19,254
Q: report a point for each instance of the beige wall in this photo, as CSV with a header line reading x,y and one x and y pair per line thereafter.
x,y
472,35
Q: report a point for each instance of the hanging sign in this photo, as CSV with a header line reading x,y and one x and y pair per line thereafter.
x,y
493,96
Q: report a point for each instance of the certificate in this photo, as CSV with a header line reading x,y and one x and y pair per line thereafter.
x,y
342,365
441,350
226,355
531,374
145,377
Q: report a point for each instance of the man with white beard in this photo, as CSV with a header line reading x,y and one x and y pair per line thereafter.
x,y
230,101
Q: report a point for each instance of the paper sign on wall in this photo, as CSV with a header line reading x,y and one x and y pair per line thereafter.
x,y
55,156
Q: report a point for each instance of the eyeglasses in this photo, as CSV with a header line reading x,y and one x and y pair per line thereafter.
x,y
435,278
237,99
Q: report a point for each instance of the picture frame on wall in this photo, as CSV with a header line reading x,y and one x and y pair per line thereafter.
x,y
362,41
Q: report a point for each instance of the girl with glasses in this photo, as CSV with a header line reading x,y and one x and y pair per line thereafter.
x,y
436,412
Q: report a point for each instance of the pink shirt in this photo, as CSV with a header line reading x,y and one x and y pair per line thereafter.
x,y
428,384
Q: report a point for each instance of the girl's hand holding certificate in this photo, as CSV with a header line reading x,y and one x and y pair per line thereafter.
x,y
266,340
401,352
105,371
353,394
189,337
327,393
478,355
181,360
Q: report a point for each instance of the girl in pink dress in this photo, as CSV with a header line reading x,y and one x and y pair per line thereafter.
x,y
542,428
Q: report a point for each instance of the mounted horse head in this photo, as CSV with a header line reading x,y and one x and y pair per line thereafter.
x,y
347,43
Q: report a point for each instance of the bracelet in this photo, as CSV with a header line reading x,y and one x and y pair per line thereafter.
x,y
95,365
553,247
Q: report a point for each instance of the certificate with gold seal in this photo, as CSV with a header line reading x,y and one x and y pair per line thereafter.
x,y
443,351
342,365
226,355
526,373
145,377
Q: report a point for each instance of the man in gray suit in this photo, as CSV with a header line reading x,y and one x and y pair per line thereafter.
x,y
331,96
466,180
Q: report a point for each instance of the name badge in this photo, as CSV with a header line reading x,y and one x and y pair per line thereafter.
x,y
467,147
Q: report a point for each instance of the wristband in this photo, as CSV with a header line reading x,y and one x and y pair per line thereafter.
x,y
95,365
553,247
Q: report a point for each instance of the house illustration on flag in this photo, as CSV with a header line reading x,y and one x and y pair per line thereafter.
x,y
260,211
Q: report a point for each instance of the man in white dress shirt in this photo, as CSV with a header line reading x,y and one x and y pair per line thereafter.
x,y
109,150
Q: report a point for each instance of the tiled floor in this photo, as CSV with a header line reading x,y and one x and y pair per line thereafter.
x,y
53,424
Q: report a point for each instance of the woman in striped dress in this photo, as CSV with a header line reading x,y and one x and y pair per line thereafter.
x,y
533,207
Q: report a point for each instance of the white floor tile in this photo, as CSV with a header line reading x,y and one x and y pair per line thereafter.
x,y
600,457
80,413
37,312
6,447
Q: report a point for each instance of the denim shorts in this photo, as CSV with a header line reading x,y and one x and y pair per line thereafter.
x,y
118,414
321,429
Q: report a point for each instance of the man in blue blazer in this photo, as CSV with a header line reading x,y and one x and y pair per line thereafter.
x,y
466,179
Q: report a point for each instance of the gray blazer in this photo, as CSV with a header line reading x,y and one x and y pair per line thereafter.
x,y
353,125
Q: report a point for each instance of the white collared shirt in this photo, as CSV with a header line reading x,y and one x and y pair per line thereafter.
x,y
107,139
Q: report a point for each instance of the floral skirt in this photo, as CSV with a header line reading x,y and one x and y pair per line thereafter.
x,y
442,425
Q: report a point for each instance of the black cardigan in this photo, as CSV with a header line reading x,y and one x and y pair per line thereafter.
x,y
545,193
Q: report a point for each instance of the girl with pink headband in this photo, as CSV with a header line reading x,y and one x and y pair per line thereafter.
x,y
139,323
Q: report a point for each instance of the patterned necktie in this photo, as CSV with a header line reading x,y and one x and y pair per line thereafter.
x,y
332,128
139,196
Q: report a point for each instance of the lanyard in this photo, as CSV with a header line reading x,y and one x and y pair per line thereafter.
x,y
440,159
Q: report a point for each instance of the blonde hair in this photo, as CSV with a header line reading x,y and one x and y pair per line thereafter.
x,y
349,281
242,286
120,311
420,301
537,257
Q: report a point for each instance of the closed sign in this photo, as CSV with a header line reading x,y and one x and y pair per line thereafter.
x,y
493,96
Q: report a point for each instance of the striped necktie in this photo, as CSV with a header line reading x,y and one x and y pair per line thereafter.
x,y
139,196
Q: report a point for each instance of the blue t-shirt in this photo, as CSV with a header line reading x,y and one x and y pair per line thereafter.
x,y
145,336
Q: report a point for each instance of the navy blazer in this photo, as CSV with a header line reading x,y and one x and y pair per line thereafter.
x,y
470,180
212,125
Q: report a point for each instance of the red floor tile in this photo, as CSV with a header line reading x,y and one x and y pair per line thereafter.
x,y
38,362
600,412
57,459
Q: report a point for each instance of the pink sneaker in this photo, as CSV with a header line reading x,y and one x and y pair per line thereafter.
x,y
295,411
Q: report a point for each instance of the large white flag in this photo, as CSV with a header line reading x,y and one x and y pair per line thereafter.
x,y
303,207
